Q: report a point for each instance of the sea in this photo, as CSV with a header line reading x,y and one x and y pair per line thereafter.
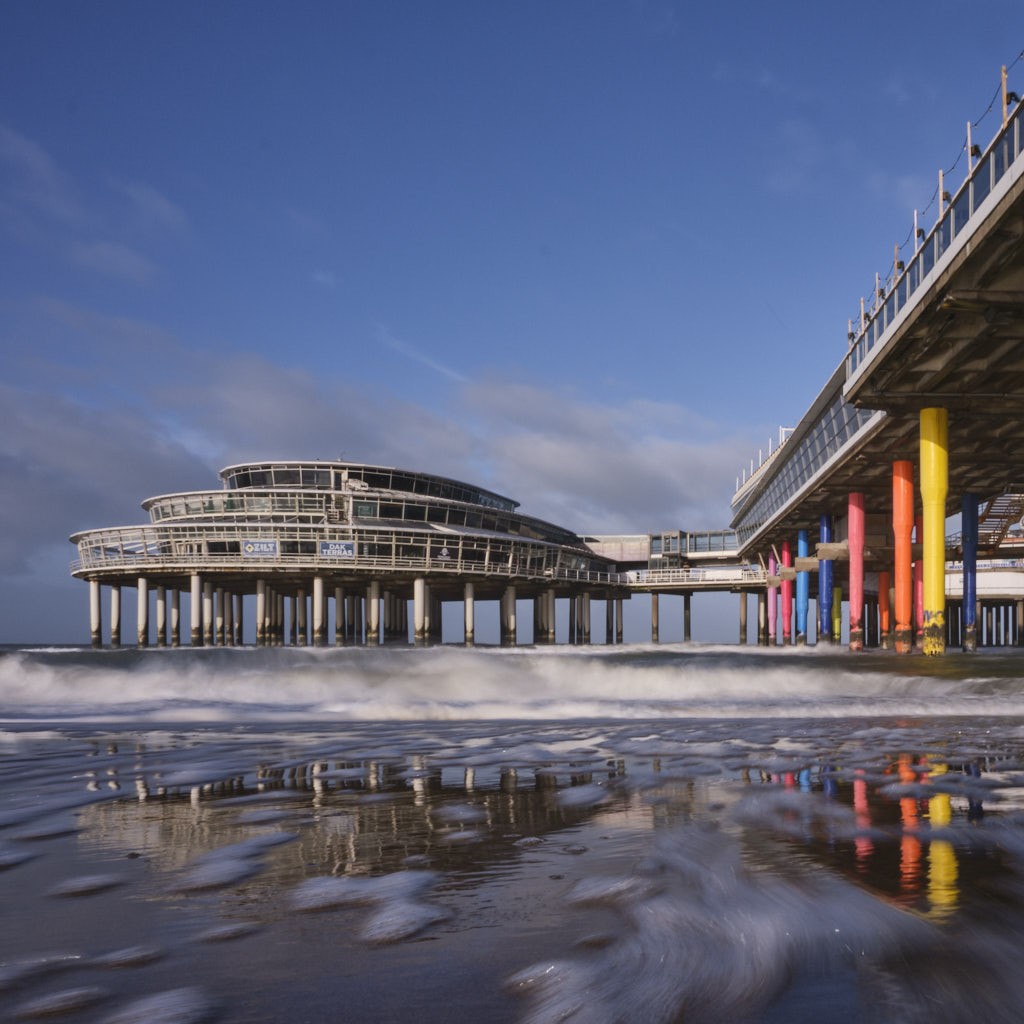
x,y
641,833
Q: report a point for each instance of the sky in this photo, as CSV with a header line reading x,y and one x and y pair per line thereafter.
x,y
589,254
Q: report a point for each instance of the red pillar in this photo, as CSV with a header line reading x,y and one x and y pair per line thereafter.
x,y
855,535
902,528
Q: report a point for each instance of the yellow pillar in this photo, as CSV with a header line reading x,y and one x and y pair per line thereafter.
x,y
934,478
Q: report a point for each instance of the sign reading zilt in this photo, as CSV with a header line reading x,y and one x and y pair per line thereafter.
x,y
260,548
337,549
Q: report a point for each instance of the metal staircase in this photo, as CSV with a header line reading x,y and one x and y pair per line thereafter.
x,y
997,517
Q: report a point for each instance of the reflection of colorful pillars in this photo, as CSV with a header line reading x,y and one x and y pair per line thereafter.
x,y
942,866
855,535
884,613
825,584
919,585
902,527
803,593
910,845
969,541
862,843
773,600
934,485
787,597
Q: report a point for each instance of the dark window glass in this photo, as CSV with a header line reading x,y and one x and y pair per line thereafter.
x,y
1000,158
436,514
981,183
927,257
890,308
416,513
390,510
961,211
365,509
944,235
286,477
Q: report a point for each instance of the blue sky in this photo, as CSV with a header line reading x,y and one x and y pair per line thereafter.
x,y
591,254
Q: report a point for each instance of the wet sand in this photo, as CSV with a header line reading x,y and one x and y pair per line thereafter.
x,y
647,871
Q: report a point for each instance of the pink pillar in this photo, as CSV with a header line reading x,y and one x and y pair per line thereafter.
x,y
773,594
919,586
855,535
787,597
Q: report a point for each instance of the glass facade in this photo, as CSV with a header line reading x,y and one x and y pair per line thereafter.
x,y
1004,150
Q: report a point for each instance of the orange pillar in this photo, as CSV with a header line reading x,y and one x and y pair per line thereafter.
x,y
902,528
884,618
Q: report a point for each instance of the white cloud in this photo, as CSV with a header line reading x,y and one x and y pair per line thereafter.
x,y
325,278
152,209
405,349
113,259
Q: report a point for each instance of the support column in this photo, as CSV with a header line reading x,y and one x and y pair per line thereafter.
x,y
419,610
115,616
574,601
208,612
743,617
468,615
773,600
239,619
836,631
885,640
855,536
219,616
95,614
609,620
229,619
918,619
161,616
195,609
319,619
586,617
373,612
762,618
261,613
825,584
549,617
299,618
803,591
142,617
508,617
654,618
339,616
902,527
787,597
175,617
618,620
686,617
934,485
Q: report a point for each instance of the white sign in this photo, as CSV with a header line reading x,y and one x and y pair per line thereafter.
x,y
337,549
260,548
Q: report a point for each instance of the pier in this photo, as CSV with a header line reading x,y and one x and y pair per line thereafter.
x,y
921,421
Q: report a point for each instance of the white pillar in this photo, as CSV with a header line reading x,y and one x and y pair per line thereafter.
x,y
319,625
373,612
115,616
261,612
161,616
142,618
175,617
196,609
95,614
419,609
220,616
208,637
229,619
468,603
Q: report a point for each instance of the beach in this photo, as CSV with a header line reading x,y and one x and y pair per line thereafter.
x,y
641,834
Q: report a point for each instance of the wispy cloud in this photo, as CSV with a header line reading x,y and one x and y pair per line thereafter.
x,y
325,278
151,208
112,259
405,349
34,178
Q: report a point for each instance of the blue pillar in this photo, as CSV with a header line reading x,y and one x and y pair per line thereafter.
x,y
803,584
969,542
825,585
